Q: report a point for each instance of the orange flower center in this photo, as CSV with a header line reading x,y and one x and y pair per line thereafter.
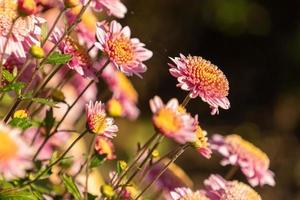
x,y
121,50
8,11
201,141
237,190
246,148
209,77
8,147
126,86
98,123
167,121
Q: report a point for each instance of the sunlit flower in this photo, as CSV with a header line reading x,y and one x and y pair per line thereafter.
x,y
98,122
253,162
15,154
125,53
80,61
25,32
172,178
218,188
172,123
201,143
187,194
105,146
203,79
112,7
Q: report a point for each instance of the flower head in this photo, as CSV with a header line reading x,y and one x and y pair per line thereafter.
x,y
105,146
201,143
80,61
98,122
25,31
112,7
218,188
203,79
184,193
254,163
169,121
125,53
15,154
27,7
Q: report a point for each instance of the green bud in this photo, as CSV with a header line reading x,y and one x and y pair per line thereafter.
x,y
107,191
37,51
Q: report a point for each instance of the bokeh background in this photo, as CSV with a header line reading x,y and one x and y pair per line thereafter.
x,y
257,45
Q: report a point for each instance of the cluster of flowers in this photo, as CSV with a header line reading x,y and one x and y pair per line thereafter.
x,y
57,71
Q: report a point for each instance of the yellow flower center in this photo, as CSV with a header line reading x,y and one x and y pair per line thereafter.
x,y
98,124
247,148
8,12
115,108
121,50
201,141
103,146
8,147
239,191
167,121
209,78
20,114
126,86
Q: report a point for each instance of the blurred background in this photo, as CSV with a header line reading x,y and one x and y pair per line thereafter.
x,y
257,45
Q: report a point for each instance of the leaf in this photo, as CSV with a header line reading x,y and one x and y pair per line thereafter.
x,y
97,160
49,120
48,102
7,75
22,123
22,195
57,58
17,86
91,197
71,187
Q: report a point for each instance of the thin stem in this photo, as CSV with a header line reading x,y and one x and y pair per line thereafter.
x,y
12,110
186,100
58,159
5,46
53,26
231,172
92,144
179,152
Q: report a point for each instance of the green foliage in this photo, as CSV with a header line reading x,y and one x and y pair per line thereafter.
x,y
97,160
71,187
16,86
18,195
7,75
56,58
22,123
48,102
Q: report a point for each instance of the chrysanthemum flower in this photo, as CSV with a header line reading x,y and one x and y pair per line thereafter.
x,y
15,154
187,194
172,123
80,61
203,79
98,122
105,146
24,33
201,143
125,53
218,188
253,162
111,7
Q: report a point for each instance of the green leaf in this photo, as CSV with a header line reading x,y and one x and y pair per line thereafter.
x,y
91,197
71,187
57,58
7,75
17,86
22,195
22,123
97,160
48,102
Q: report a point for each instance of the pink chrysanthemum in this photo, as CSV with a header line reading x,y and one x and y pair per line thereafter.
x,y
203,79
24,33
111,7
218,188
187,194
15,154
171,122
80,61
201,143
98,122
105,146
253,162
125,53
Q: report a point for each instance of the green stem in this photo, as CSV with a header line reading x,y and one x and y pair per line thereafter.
x,y
92,144
186,100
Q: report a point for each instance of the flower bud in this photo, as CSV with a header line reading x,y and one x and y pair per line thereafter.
x,y
121,165
71,3
155,153
26,7
20,114
107,191
37,51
